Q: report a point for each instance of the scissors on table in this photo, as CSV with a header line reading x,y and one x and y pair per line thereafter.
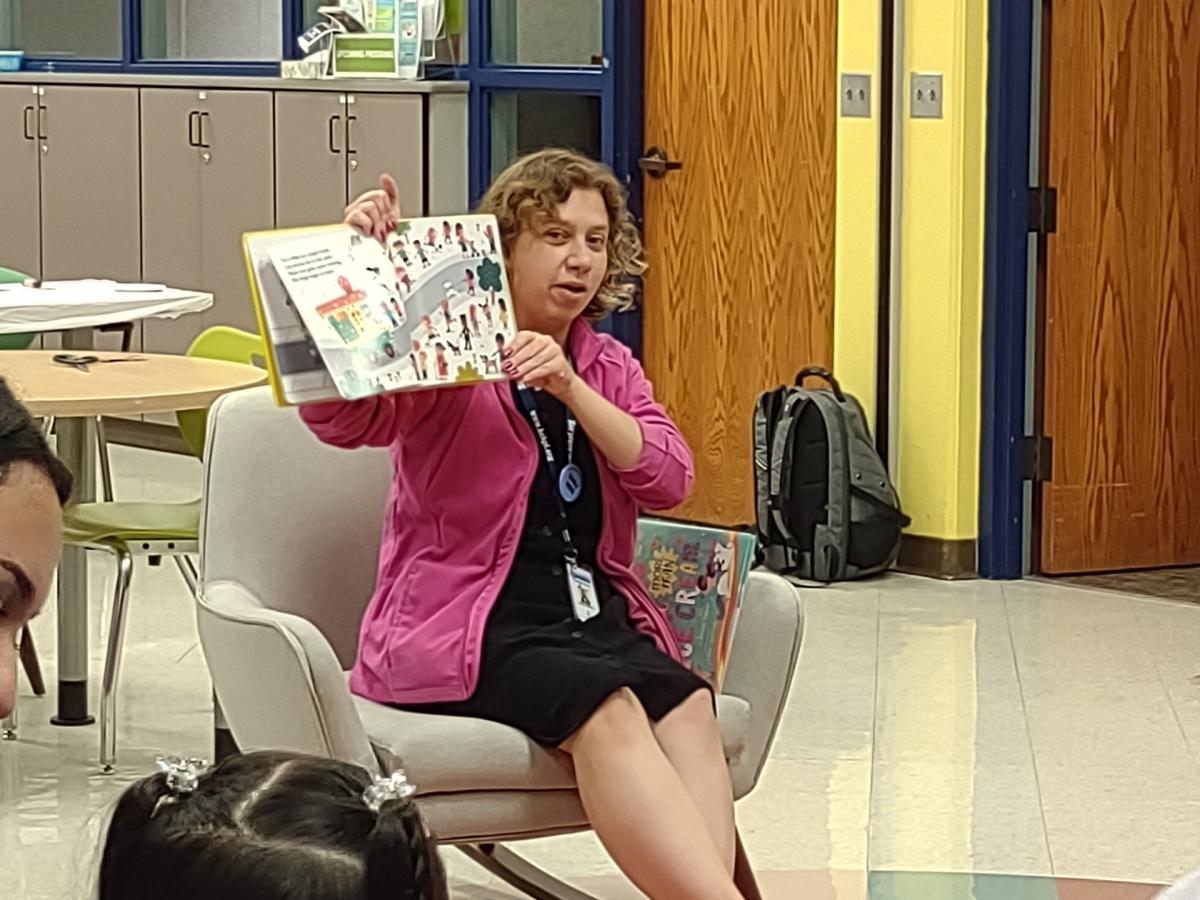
x,y
83,362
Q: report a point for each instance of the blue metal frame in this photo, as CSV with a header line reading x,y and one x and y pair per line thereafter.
x,y
131,43
1006,278
618,84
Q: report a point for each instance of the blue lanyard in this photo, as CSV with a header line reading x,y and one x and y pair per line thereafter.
x,y
567,484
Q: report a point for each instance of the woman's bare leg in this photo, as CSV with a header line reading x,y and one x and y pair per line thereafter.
x,y
691,739
641,810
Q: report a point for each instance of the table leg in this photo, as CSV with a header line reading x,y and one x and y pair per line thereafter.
x,y
77,449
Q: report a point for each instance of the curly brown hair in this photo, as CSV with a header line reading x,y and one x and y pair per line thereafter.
x,y
535,185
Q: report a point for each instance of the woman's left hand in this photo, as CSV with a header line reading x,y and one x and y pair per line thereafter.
x,y
538,361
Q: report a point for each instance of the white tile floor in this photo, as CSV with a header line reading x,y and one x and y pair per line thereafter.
x,y
1018,728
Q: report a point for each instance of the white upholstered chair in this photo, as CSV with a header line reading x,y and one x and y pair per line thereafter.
x,y
289,542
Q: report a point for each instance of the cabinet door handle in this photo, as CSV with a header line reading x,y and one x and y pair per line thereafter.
x,y
204,137
193,121
350,120
27,122
333,124
41,124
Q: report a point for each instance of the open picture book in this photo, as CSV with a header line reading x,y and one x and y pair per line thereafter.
x,y
346,316
696,576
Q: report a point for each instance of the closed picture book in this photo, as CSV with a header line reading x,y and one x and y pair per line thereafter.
x,y
347,316
697,576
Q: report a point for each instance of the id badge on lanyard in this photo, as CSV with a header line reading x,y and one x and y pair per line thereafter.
x,y
568,487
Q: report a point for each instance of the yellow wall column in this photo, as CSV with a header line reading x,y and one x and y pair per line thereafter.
x,y
856,237
939,256
941,272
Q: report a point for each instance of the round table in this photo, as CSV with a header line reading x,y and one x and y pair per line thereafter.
x,y
142,383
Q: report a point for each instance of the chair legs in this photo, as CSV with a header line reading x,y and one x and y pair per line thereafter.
x,y
224,744
187,569
521,874
33,671
29,662
532,881
112,661
8,726
743,874
106,479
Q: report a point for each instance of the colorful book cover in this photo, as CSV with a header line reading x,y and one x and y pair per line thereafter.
x,y
697,576
346,316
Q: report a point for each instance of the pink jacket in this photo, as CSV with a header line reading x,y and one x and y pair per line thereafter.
x,y
465,460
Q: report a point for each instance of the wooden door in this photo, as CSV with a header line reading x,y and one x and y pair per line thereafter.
x,y
171,196
1122,328
91,183
310,159
739,295
387,134
20,219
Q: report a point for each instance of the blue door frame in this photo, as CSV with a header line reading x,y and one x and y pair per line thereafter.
x,y
1006,294
617,83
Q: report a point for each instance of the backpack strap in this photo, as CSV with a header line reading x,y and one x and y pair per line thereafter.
x,y
831,542
781,456
766,414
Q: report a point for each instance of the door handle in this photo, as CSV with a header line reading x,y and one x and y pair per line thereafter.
x,y
27,122
204,137
193,121
333,123
656,163
41,124
350,120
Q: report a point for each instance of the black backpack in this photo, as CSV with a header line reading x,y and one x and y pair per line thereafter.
x,y
826,509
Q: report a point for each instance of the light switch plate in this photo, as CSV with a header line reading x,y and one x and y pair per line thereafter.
x,y
856,96
926,95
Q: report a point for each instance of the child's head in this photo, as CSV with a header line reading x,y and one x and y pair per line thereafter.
x,y
269,826
570,240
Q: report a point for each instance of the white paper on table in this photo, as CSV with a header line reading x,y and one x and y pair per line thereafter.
x,y
60,306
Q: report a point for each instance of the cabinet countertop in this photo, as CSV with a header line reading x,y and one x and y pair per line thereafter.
x,y
216,82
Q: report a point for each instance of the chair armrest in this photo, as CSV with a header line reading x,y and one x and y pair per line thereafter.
x,y
277,678
762,662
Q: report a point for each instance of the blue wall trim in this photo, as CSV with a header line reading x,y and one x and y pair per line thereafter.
x,y
1006,275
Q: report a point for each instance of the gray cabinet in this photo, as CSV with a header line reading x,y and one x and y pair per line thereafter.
x,y
156,179
20,209
386,133
207,177
90,182
330,147
310,165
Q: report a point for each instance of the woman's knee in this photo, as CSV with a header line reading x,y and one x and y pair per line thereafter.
x,y
620,718
694,717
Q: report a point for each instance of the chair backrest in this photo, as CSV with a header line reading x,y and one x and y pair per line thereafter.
x,y
21,341
223,343
294,521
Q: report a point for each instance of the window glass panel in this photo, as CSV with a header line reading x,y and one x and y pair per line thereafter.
x,y
85,29
547,32
236,30
524,121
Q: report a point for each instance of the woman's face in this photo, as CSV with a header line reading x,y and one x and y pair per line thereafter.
x,y
30,545
558,263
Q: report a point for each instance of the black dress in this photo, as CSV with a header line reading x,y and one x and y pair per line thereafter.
x,y
543,671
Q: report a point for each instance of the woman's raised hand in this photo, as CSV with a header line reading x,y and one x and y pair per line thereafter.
x,y
375,213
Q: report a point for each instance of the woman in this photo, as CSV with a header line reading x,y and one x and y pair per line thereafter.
x,y
514,508
34,486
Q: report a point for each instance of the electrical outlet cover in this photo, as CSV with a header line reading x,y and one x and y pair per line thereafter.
x,y
926,95
856,96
